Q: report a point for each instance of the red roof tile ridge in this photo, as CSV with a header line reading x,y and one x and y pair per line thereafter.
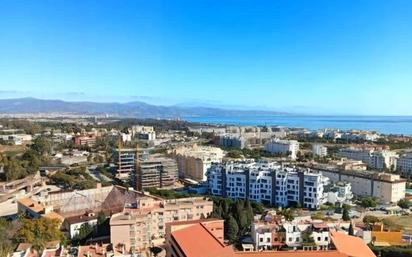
x,y
213,236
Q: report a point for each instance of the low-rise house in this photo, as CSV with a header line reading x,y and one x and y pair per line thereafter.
x,y
197,240
73,224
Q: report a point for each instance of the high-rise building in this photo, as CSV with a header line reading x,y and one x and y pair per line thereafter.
x,y
268,183
125,160
286,147
156,172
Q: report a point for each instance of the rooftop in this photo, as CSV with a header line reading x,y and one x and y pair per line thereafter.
x,y
351,245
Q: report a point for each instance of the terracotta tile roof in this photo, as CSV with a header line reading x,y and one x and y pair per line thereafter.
x,y
196,241
351,245
92,250
291,254
81,218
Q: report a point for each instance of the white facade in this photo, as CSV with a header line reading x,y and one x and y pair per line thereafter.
x,y
267,182
277,146
73,228
340,193
144,132
389,188
404,164
380,160
319,150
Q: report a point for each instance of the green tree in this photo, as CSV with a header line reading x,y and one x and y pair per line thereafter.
x,y
14,170
345,215
7,231
369,219
85,231
368,202
32,161
42,145
350,230
38,232
249,211
288,214
231,229
155,250
404,203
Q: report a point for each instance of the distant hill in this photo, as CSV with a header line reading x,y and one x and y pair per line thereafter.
x,y
132,109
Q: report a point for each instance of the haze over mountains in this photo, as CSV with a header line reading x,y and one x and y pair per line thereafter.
x,y
134,109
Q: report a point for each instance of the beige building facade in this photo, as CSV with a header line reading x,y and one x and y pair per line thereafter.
x,y
389,188
144,225
194,161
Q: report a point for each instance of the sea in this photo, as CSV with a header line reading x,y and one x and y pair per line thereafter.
x,y
399,125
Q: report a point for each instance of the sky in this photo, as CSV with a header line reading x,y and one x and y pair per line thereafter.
x,y
310,57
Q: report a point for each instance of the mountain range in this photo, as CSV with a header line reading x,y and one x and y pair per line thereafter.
x,y
134,109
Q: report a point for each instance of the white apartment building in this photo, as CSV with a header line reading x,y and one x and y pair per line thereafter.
x,y
267,182
404,164
277,146
375,159
355,154
194,161
389,188
383,160
341,193
319,150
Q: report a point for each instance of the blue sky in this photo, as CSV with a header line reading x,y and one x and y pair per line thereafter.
x,y
317,57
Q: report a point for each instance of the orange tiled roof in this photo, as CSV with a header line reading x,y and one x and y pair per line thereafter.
x,y
291,254
351,245
196,241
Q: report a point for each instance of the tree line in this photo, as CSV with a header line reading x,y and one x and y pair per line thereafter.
x,y
237,214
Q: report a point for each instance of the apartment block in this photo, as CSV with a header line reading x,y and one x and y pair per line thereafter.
x,y
319,150
144,132
156,172
404,165
268,183
231,141
375,159
389,188
85,140
143,223
194,161
285,147
125,160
